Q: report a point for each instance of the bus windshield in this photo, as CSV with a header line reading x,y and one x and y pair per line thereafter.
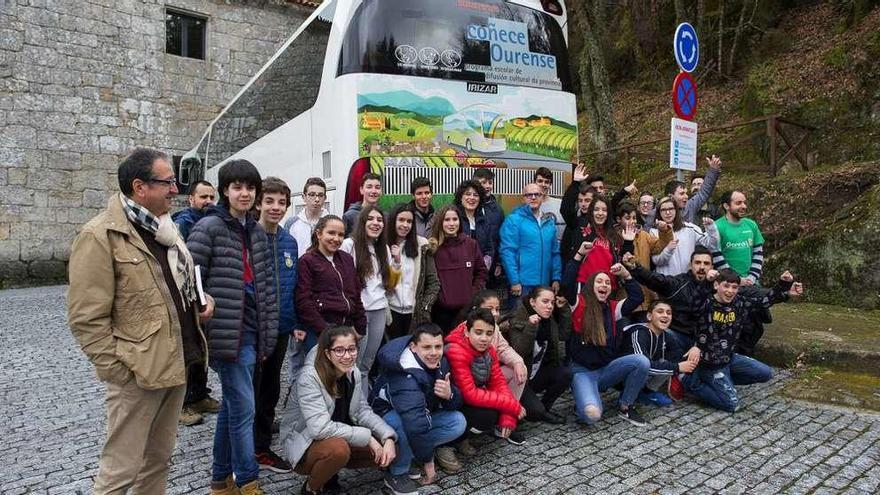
x,y
488,41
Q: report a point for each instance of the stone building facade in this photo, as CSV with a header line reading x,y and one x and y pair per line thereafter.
x,y
84,81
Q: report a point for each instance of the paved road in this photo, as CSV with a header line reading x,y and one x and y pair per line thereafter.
x,y
52,428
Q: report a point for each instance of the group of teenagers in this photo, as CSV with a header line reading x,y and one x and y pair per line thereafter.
x,y
410,331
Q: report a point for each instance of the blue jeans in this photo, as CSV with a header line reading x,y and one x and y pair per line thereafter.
x,y
713,386
446,426
234,435
746,371
587,385
717,387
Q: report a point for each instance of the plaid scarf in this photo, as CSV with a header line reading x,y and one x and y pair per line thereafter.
x,y
179,258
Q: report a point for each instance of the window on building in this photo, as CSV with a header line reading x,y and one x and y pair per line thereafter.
x,y
185,34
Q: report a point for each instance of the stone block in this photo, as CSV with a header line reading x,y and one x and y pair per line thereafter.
x,y
4,177
48,270
32,250
5,229
18,136
10,249
19,230
65,198
64,160
92,198
12,273
49,179
17,176
11,40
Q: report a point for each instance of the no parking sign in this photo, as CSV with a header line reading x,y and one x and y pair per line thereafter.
x,y
684,96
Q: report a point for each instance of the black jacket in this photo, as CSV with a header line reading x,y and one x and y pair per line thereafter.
x,y
683,292
663,354
216,243
573,235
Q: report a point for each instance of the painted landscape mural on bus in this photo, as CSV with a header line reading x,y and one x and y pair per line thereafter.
x,y
449,126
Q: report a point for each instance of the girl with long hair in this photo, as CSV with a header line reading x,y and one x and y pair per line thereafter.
x,y
329,424
604,242
374,272
595,341
675,258
328,292
538,329
460,267
411,300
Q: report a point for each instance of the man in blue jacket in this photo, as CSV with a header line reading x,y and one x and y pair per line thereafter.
x,y
201,196
529,246
416,397
272,204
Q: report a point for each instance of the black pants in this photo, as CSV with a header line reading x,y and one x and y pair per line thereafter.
x,y
267,390
445,318
480,418
196,383
400,323
553,381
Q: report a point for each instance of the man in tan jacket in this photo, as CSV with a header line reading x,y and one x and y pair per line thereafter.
x,y
133,308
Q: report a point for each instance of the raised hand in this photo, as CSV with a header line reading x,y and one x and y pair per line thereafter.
x,y
711,275
534,319
621,271
707,221
580,173
395,253
661,225
561,302
555,286
786,276
797,289
584,249
629,232
299,335
714,162
631,189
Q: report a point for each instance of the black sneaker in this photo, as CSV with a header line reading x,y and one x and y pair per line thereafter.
x,y
515,437
401,485
269,460
631,415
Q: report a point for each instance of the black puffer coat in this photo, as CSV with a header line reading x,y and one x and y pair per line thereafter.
x,y
216,244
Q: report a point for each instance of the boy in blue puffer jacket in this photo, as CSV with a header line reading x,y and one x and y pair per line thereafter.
x,y
416,397
272,204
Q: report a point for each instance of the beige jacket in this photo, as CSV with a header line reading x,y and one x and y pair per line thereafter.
x,y
119,307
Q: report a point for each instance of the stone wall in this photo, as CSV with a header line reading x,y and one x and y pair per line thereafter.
x,y
82,82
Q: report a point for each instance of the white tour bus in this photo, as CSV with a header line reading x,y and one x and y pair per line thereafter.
x,y
366,86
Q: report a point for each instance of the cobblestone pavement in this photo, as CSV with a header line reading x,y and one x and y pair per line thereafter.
x,y
52,428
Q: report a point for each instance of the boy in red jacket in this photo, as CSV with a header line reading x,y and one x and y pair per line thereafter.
x,y
488,401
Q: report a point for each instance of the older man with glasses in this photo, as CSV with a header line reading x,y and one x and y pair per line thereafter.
x,y
529,246
133,308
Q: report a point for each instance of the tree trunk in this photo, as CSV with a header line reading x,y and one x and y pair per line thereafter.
x,y
595,83
720,36
736,36
680,12
701,17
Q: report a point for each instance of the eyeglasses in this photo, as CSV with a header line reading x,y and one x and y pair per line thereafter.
x,y
532,195
342,351
315,195
168,182
646,203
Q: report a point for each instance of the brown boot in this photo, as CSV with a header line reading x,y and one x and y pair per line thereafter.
x,y
206,406
189,417
225,487
252,488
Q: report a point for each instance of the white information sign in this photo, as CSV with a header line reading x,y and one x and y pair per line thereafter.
x,y
683,145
